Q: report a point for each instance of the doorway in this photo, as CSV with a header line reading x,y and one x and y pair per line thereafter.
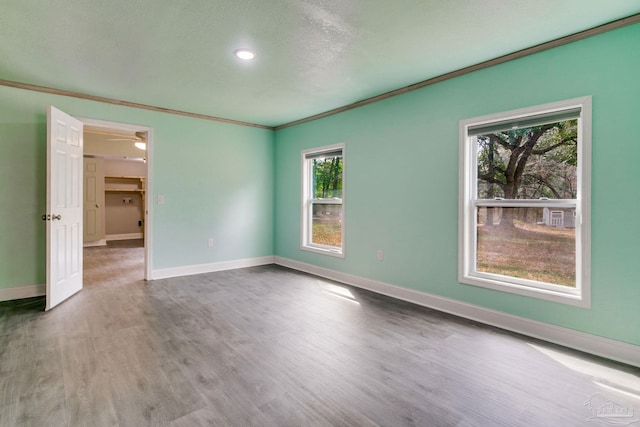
x,y
116,218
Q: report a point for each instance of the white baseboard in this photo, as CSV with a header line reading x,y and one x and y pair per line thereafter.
x,y
594,344
22,292
126,236
188,270
101,242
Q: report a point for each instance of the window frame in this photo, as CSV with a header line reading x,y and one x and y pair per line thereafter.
x,y
469,203
308,202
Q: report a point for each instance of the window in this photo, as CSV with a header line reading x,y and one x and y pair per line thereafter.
x,y
322,200
525,201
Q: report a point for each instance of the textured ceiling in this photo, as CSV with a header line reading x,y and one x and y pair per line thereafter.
x,y
312,55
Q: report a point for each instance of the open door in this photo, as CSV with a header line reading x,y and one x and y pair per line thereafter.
x,y
64,206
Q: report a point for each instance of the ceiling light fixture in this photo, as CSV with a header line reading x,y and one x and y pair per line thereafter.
x,y
245,54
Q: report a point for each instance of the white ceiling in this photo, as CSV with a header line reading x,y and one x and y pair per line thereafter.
x,y
312,55
108,143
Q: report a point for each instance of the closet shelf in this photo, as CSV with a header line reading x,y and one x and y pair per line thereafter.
x,y
123,190
124,184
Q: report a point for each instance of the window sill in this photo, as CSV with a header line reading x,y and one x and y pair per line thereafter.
x,y
574,298
324,251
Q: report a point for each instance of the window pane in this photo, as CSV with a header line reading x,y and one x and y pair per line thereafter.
x,y
528,243
529,163
327,177
326,225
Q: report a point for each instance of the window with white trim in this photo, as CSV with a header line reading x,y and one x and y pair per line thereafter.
x,y
323,200
525,201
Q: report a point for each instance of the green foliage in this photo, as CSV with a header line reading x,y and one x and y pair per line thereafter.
x,y
327,178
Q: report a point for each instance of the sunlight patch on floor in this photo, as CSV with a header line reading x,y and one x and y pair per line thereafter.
x,y
609,378
339,291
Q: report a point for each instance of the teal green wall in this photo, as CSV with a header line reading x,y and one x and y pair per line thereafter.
x,y
402,180
217,180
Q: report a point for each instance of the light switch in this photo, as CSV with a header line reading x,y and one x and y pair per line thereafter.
x,y
161,199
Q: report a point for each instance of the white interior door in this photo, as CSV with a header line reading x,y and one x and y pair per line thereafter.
x,y
64,206
93,202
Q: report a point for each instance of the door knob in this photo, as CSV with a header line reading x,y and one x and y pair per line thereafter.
x,y
54,217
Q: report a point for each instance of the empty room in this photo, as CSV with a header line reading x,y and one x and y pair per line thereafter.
x,y
319,213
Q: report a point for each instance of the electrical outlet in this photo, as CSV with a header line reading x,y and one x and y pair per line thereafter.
x,y
161,199
210,242
379,255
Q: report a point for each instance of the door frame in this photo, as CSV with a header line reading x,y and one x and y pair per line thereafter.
x,y
148,224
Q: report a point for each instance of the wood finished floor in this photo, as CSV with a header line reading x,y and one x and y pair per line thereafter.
x,y
268,346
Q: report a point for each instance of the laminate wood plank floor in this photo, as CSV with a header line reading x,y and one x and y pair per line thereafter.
x,y
269,346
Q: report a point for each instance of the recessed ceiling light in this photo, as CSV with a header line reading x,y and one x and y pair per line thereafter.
x,y
245,54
